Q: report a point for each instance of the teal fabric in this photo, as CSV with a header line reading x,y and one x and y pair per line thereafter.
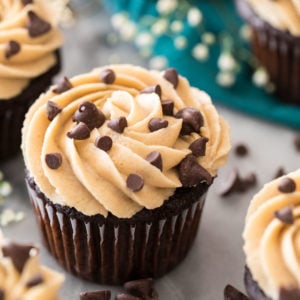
x,y
219,15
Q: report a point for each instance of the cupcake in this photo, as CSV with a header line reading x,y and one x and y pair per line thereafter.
x,y
276,41
118,162
29,58
22,276
271,241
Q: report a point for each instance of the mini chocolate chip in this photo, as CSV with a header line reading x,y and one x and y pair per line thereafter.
x,y
157,123
118,124
231,293
172,76
167,107
63,86
280,172
2,294
53,160
36,25
285,215
19,253
152,89
108,76
104,142
89,114
241,150
97,295
287,185
155,159
192,120
12,48
143,288
198,147
35,280
191,173
25,2
135,182
123,296
52,110
79,132
291,293
297,142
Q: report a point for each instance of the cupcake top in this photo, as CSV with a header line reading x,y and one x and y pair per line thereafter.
x,y
281,14
122,138
272,236
21,275
29,36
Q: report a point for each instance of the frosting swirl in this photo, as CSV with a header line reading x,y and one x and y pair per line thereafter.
x,y
271,235
29,36
140,166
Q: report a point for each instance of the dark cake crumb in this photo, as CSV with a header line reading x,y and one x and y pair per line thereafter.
x,y
143,288
97,295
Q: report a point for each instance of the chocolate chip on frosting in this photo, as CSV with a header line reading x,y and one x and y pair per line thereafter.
x,y
152,89
12,48
135,182
118,124
89,114
198,147
231,293
80,132
2,294
35,280
36,25
142,288
52,110
285,215
63,86
192,120
108,76
167,107
104,142
157,123
172,76
97,295
155,159
26,2
287,185
53,160
290,293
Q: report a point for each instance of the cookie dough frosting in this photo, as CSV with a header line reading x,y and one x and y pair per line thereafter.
x,y
29,36
122,138
21,275
272,236
281,14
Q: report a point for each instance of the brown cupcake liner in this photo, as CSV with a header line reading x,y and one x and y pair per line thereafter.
x,y
278,51
111,250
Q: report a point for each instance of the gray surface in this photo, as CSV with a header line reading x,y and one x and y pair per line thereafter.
x,y
216,258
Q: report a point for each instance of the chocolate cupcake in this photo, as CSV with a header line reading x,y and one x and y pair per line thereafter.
x,y
276,42
271,241
119,170
29,58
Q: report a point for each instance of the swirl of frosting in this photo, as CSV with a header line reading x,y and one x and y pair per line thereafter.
x,y
285,14
29,36
136,163
272,233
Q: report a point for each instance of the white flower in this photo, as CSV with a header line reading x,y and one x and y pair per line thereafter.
x,y
208,38
159,27
5,188
144,39
127,31
260,77
245,32
226,62
225,79
180,42
194,16
158,62
118,20
200,52
176,26
166,7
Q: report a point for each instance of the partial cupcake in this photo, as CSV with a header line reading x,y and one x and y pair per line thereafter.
x,y
271,241
22,276
119,161
30,42
276,42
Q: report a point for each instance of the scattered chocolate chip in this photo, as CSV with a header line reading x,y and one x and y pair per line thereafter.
x,y
89,114
2,294
35,280
123,296
118,124
63,86
198,147
291,293
287,185
155,159
36,25
231,293
285,215
297,142
53,160
26,2
19,254
280,172
241,150
12,48
135,182
157,123
172,76
52,110
97,295
191,173
108,76
143,288
192,120
167,107
104,143
79,132
152,89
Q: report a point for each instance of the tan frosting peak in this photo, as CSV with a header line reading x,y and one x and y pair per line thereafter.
x,y
281,14
94,181
272,247
36,55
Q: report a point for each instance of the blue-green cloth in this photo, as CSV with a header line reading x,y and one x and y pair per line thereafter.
x,y
219,16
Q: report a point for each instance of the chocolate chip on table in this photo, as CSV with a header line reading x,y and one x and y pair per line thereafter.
x,y
287,185
12,48
52,110
231,293
63,85
280,172
143,288
53,160
97,295
155,159
104,143
290,293
198,147
157,123
108,76
35,280
167,107
79,132
2,294
297,142
36,25
26,2
172,76
123,296
152,89
241,150
135,182
118,124
285,215
192,120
